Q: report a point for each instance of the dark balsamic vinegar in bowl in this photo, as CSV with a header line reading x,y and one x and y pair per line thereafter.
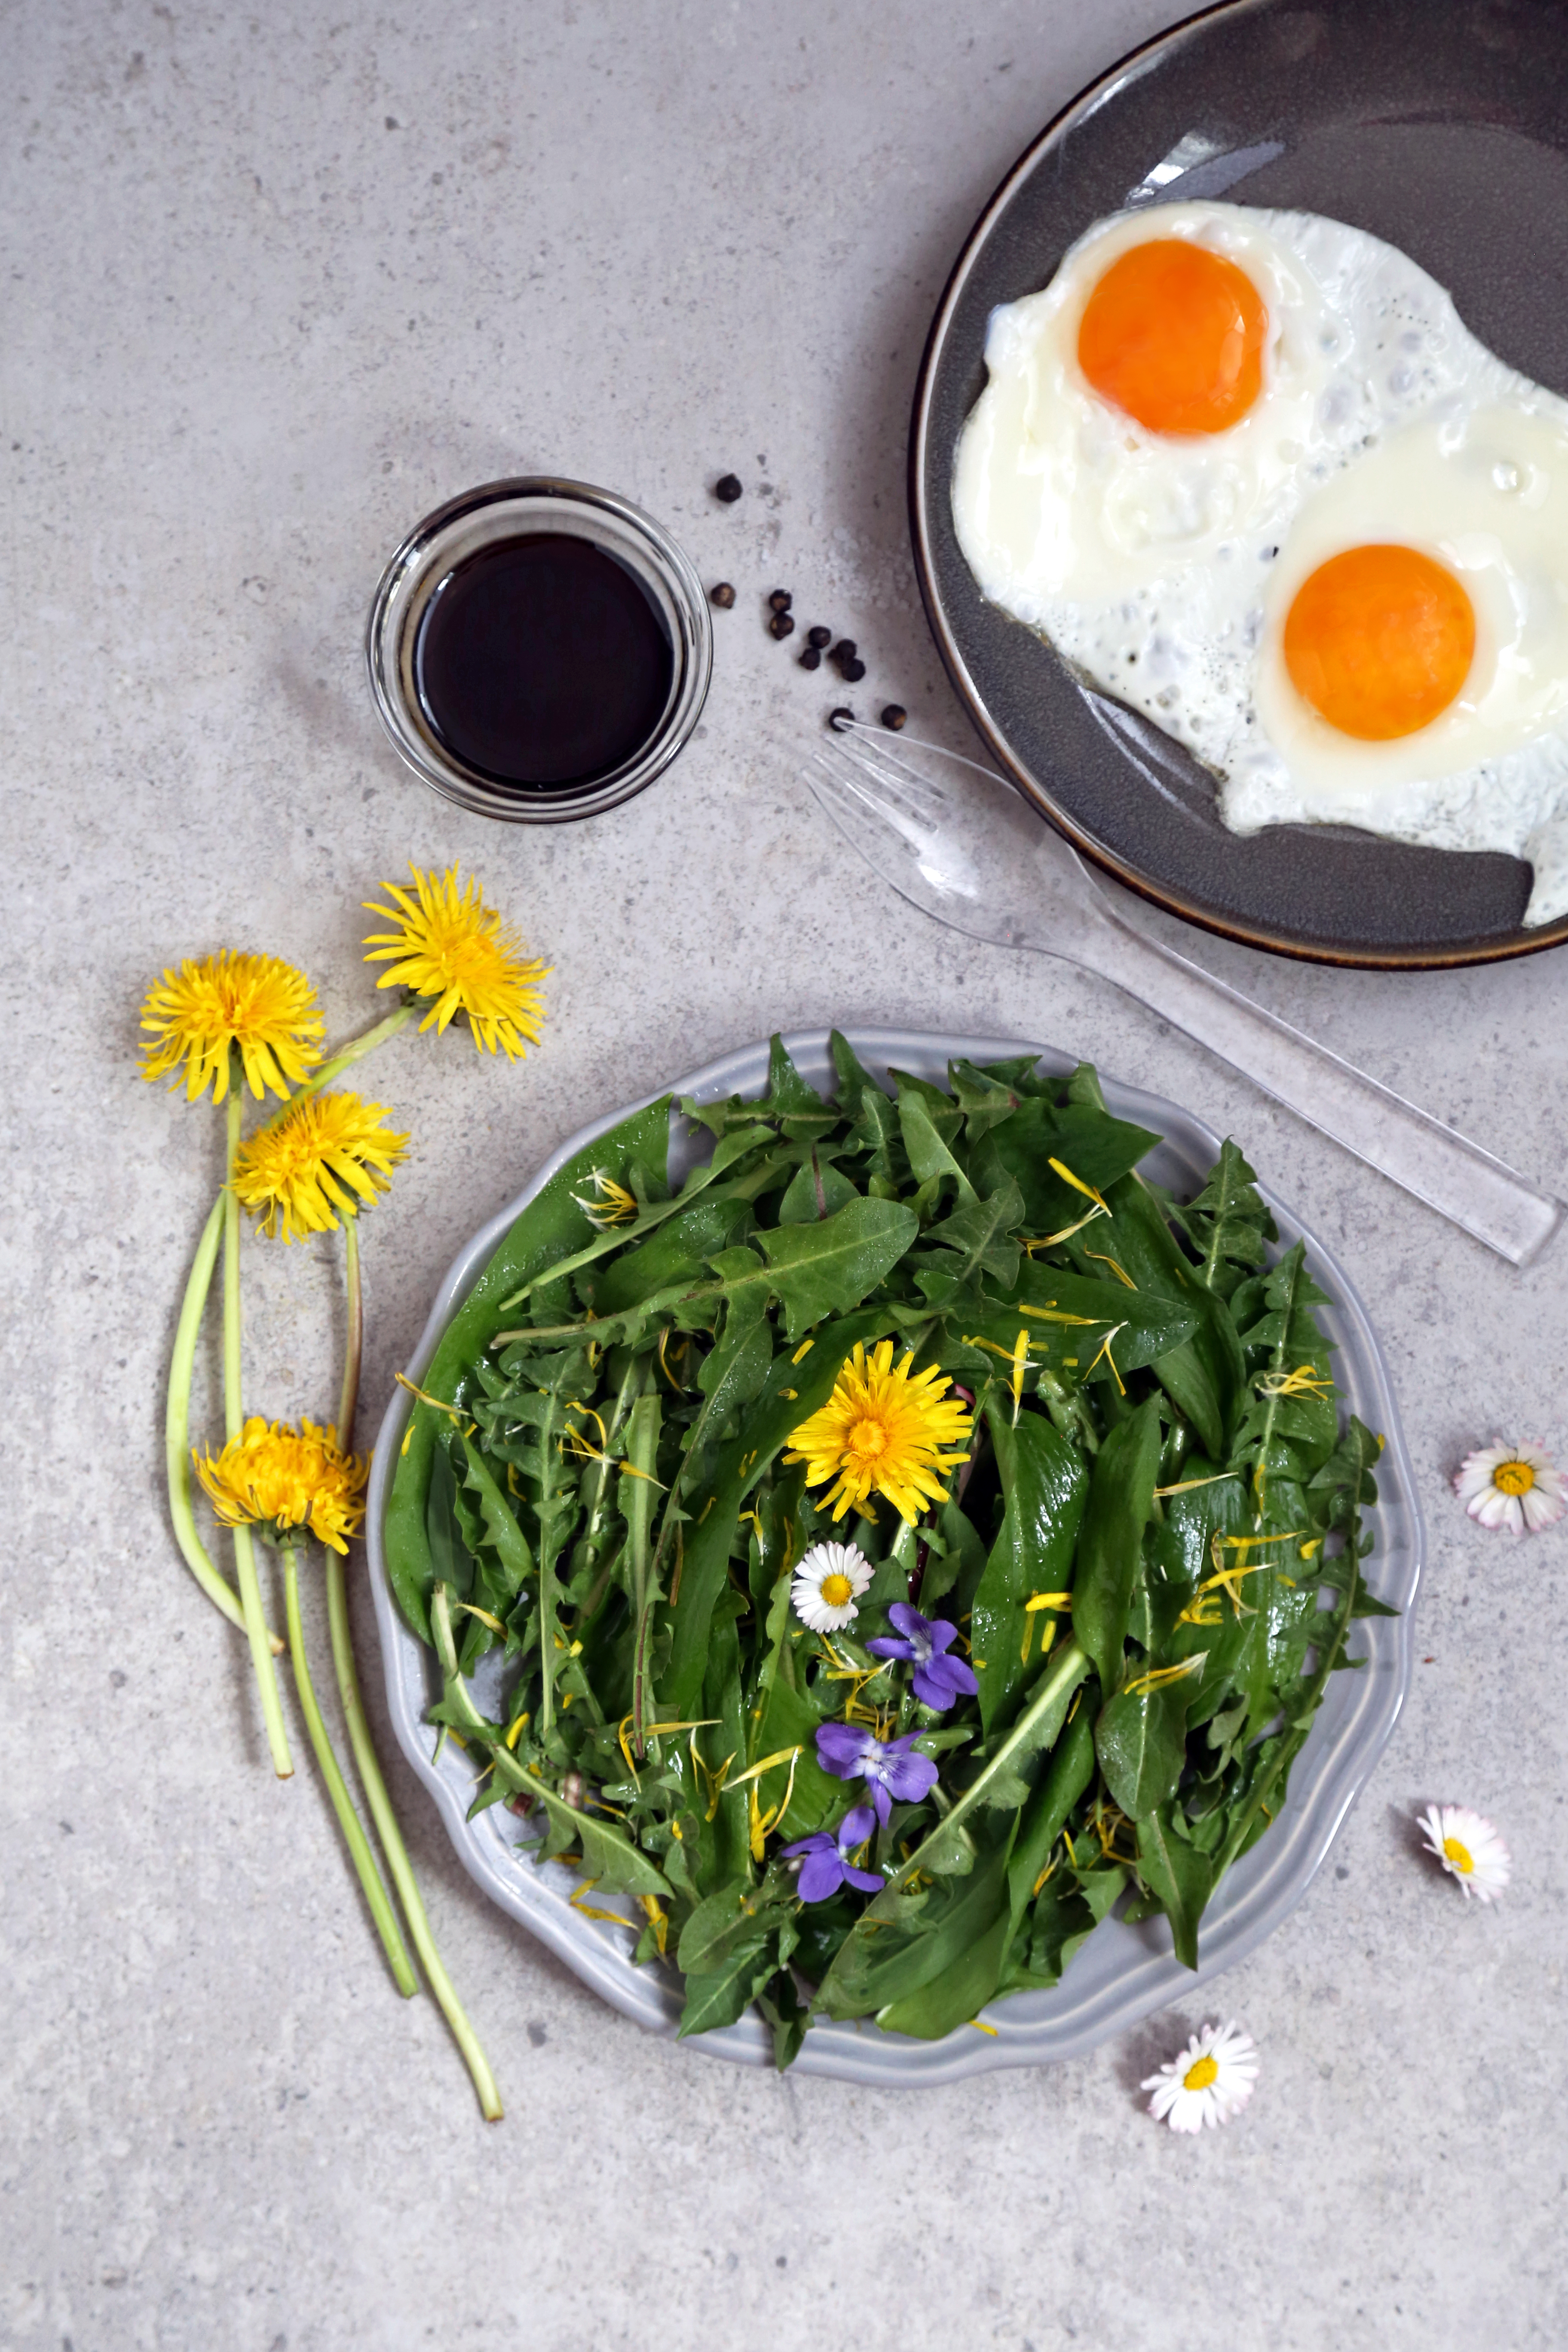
x,y
543,662
539,649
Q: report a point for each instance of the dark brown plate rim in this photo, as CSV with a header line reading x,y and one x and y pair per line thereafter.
x,y
1503,948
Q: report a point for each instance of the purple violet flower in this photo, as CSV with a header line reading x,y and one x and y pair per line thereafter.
x,y
938,1680
891,1767
827,1866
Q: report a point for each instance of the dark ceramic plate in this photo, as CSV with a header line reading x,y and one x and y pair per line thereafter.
x,y
1439,125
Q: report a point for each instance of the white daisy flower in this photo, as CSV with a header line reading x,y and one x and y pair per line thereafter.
x,y
1468,1848
1208,2083
827,1583
1519,1487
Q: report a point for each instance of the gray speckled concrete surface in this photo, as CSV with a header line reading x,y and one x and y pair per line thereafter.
x,y
278,281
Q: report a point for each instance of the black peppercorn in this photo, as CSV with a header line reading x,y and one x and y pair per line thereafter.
x,y
819,637
844,651
840,719
781,600
851,672
782,625
728,487
894,715
722,594
812,657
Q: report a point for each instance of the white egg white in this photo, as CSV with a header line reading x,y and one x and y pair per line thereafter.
x,y
1162,567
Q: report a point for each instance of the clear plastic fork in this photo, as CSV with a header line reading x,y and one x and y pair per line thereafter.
x,y
958,842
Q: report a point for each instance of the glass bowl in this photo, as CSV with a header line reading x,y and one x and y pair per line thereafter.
x,y
477,520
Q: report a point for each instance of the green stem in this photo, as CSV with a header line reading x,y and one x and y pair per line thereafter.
x,y
234,1422
354,1838
177,1428
396,1853
642,1453
354,1051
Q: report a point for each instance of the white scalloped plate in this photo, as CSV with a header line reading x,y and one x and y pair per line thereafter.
x,y
1124,1972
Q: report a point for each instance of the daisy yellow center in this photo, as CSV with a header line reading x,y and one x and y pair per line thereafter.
x,y
1199,2075
882,1432
836,1591
1513,1477
1459,1856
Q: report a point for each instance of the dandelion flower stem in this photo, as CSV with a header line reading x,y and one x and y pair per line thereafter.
x,y
177,1428
398,1863
233,1419
354,1838
365,1757
354,1051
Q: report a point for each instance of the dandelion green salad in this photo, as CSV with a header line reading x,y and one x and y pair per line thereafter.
x,y
914,1537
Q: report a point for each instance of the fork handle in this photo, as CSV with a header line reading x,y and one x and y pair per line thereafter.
x,y
1452,1175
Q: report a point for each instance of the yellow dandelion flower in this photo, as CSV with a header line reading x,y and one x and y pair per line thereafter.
x,y
452,950
276,1477
881,1433
321,1154
259,1004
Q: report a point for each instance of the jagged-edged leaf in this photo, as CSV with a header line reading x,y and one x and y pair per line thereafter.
x,y
930,1157
829,1269
501,1530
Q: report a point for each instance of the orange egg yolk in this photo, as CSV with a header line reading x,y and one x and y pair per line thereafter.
x,y
1172,335
1378,640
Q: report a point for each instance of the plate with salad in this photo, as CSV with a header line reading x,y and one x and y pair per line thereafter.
x,y
895,1556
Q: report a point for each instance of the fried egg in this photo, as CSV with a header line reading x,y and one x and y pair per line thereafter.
x,y
1249,473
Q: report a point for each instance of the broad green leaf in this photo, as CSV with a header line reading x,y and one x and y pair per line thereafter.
x,y
798,1107
1072,1770
928,1155
984,1098
829,1269
1141,1740
815,1191
977,1238
789,1719
1120,1497
451,1560
958,1994
1179,1875
1044,1485
722,1998
1095,1146
723,1922
676,1252
914,1939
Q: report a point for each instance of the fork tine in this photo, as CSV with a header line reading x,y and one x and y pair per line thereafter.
x,y
862,805
875,757
855,768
